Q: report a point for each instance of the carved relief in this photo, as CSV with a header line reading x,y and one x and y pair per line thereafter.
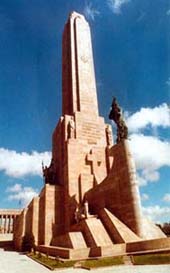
x,y
71,129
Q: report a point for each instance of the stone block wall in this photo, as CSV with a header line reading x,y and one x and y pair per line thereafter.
x,y
46,214
42,217
19,229
32,218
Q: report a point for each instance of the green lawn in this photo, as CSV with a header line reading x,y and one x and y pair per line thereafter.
x,y
92,263
53,263
148,259
163,258
103,262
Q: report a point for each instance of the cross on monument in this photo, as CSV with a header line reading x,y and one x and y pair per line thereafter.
x,y
95,160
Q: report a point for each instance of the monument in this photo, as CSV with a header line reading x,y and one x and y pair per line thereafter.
x,y
90,204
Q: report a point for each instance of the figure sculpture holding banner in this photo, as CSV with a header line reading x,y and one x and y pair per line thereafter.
x,y
117,117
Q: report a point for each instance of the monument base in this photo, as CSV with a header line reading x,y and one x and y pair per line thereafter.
x,y
135,248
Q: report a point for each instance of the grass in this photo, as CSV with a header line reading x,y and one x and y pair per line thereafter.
x,y
51,263
92,263
147,259
103,262
152,259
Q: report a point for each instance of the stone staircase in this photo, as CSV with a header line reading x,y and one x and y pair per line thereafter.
x,y
100,236
118,231
94,233
102,233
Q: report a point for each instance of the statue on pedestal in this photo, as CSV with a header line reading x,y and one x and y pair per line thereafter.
x,y
117,117
49,173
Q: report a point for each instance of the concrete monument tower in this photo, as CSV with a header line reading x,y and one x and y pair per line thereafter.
x,y
90,204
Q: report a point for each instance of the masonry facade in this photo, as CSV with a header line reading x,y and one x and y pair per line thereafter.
x,y
90,204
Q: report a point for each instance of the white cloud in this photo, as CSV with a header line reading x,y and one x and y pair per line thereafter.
x,y
158,116
150,154
156,213
151,175
18,165
90,12
21,194
144,197
146,176
15,188
116,5
166,197
141,180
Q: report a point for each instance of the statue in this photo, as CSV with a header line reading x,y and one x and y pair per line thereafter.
x,y
116,116
82,212
109,138
49,174
71,129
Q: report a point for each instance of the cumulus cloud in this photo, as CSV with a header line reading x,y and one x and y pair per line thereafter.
x,y
150,152
156,213
90,12
15,188
150,155
116,5
21,194
19,165
141,180
166,198
155,117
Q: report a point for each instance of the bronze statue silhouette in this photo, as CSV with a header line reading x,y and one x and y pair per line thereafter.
x,y
49,173
117,117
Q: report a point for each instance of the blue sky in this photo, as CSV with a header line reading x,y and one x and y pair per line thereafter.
x,y
131,44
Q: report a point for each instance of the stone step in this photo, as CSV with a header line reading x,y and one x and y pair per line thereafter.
x,y
95,233
65,253
117,230
70,240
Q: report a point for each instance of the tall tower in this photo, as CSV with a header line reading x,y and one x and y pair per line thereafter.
x,y
82,142
78,78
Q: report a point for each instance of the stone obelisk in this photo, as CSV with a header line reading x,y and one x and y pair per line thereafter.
x,y
85,159
78,82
